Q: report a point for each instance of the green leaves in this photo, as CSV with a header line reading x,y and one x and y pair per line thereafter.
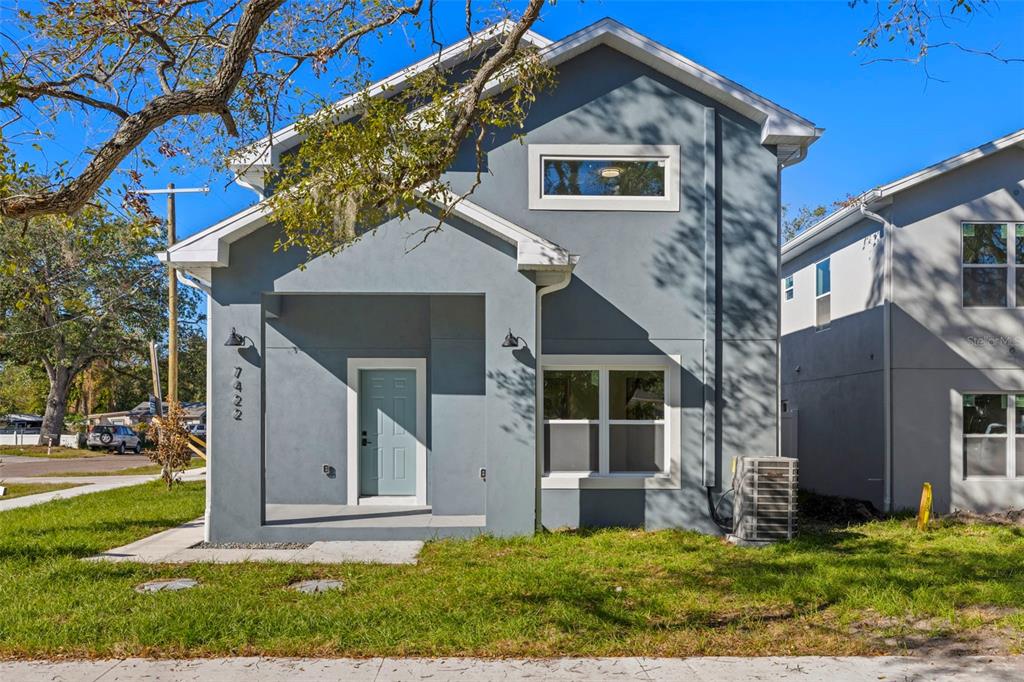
x,y
387,155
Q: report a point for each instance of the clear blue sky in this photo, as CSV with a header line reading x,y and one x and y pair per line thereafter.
x,y
882,121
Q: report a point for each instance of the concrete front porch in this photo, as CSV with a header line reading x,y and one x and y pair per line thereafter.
x,y
311,522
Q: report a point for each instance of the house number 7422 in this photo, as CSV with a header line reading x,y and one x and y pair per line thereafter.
x,y
237,385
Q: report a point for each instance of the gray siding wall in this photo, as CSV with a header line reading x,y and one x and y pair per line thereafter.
x,y
305,353
832,378
699,283
646,281
937,356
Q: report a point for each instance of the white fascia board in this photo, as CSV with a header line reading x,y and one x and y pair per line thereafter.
x,y
778,125
211,247
533,252
266,151
838,221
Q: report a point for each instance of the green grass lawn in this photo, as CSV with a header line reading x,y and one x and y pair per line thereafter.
x,y
873,588
145,470
22,489
56,452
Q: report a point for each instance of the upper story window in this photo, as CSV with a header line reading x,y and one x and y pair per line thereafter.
x,y
787,287
604,177
992,265
823,294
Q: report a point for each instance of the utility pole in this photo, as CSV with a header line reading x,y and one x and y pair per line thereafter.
x,y
172,289
172,306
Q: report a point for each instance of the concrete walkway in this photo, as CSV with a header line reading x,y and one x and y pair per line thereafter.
x,y
90,484
176,546
438,670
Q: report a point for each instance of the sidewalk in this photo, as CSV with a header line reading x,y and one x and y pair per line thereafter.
x,y
720,669
90,484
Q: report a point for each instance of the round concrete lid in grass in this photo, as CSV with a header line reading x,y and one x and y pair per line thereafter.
x,y
317,586
166,585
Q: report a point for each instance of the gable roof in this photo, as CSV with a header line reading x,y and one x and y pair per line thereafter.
x,y
779,126
850,214
265,151
211,248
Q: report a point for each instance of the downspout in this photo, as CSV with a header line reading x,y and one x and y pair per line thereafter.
x,y
792,160
887,249
195,284
539,398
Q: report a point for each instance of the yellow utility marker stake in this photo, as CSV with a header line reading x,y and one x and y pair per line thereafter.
x,y
924,512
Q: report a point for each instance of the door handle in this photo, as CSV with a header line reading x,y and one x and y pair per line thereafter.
x,y
365,441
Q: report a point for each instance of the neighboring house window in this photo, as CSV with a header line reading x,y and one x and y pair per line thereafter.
x,y
993,435
992,265
788,288
605,419
823,294
604,177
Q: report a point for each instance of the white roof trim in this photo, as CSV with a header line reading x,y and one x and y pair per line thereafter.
x,y
264,152
211,248
779,126
834,223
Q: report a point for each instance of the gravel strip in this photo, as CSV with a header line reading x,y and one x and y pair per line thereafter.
x,y
253,545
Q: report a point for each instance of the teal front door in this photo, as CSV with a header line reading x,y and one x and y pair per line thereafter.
x,y
387,432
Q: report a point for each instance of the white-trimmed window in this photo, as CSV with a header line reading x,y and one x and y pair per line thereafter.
x,y
992,264
993,435
608,417
787,288
603,177
823,294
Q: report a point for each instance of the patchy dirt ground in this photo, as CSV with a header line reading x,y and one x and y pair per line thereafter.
x,y
1010,517
979,631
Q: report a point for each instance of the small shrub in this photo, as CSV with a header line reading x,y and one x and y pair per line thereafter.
x,y
172,452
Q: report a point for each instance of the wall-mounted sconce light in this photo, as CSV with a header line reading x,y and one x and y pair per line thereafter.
x,y
511,340
237,340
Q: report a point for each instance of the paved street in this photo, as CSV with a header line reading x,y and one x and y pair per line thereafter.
x,y
88,485
13,466
719,669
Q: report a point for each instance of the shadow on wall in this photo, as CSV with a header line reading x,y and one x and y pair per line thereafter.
x,y
519,388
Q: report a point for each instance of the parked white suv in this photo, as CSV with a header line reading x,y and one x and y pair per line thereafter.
x,y
111,437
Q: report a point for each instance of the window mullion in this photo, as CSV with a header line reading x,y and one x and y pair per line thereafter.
x,y
604,438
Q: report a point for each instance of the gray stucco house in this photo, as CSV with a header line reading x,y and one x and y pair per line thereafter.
x,y
903,338
589,340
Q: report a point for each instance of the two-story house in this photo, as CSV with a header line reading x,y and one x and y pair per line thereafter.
x,y
568,350
903,338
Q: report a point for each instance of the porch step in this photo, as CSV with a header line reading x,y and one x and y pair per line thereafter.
x,y
313,522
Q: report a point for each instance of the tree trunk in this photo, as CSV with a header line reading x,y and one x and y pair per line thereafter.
x,y
56,404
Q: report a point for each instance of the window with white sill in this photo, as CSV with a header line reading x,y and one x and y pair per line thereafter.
x,y
609,177
606,420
